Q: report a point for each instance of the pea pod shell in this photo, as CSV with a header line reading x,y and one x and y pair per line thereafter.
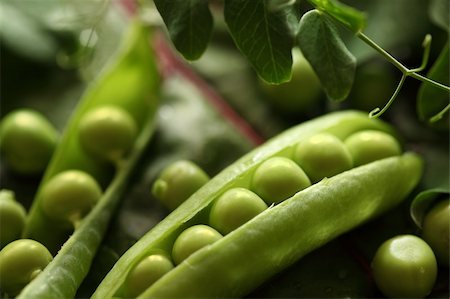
x,y
194,210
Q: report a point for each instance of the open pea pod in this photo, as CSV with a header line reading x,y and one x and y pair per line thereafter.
x,y
276,238
130,82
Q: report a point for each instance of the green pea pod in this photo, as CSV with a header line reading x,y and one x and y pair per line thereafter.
x,y
280,235
129,82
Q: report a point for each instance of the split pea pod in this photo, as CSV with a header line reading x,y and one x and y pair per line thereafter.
x,y
241,260
102,143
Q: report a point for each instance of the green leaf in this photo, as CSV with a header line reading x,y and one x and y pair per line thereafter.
x,y
432,100
423,202
189,23
323,48
263,35
438,11
350,17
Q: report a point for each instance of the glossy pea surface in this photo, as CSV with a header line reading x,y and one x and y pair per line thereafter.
x,y
146,272
20,262
70,195
322,155
277,179
370,145
193,239
404,267
177,182
234,208
436,230
12,218
27,140
301,92
107,131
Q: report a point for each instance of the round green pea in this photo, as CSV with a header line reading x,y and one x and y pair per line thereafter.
x,y
177,182
70,195
12,218
192,239
27,140
107,132
277,179
436,230
404,267
20,262
146,272
322,155
301,93
234,208
370,145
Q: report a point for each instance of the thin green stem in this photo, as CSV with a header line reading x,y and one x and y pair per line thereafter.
x,y
383,52
440,115
428,80
377,112
426,54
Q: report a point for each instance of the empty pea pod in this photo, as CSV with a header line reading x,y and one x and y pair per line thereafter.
x,y
272,240
93,168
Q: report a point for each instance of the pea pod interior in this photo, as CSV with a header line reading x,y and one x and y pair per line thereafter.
x,y
130,82
240,257
123,84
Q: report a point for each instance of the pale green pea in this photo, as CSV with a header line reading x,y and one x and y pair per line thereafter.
x,y
234,208
405,267
177,182
12,218
192,239
369,145
322,155
146,272
108,132
27,140
436,230
277,179
20,262
70,195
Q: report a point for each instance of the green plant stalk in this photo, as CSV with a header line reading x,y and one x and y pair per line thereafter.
x,y
62,277
195,209
406,72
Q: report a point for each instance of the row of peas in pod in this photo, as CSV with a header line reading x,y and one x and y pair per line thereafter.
x,y
86,175
201,259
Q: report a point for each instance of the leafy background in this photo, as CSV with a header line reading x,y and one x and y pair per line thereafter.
x,y
214,110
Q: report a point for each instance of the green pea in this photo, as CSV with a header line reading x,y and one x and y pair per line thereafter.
x,y
234,208
277,179
70,195
146,272
192,239
404,267
12,218
177,182
368,146
436,230
20,262
301,93
27,140
107,132
322,155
